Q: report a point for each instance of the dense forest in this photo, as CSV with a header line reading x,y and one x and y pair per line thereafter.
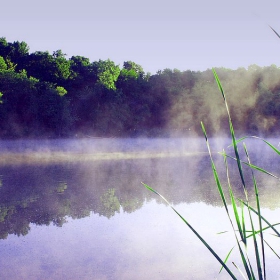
x,y
49,95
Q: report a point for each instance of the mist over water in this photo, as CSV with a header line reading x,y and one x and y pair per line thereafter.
x,y
89,208
252,96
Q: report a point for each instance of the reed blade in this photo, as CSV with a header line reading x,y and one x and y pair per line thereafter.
x,y
226,259
274,31
231,130
237,219
246,264
253,166
264,219
260,223
214,170
256,137
243,222
240,271
263,229
194,231
272,250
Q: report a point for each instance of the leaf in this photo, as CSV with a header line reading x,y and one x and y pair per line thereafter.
x,y
226,259
275,32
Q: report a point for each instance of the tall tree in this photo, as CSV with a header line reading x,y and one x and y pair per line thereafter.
x,y
3,64
107,73
4,50
49,68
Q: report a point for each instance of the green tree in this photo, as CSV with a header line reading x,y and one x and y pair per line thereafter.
x,y
130,65
133,84
48,68
129,73
62,66
107,73
61,91
3,64
83,74
52,111
18,102
4,50
17,52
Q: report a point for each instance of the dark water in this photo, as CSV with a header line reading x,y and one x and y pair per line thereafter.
x,y
76,209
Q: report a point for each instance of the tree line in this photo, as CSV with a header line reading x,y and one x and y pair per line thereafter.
x,y
49,95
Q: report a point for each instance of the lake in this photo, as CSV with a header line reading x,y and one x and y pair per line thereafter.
x,y
76,209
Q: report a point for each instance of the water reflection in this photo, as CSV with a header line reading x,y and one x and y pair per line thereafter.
x,y
85,205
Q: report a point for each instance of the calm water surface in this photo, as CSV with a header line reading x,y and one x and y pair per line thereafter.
x,y
76,209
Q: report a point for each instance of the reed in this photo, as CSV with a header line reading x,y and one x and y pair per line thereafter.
x,y
242,228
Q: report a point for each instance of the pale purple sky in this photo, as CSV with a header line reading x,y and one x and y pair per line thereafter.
x,y
157,34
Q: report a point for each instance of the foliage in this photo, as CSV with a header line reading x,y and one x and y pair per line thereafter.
x,y
109,203
104,99
107,73
61,91
3,64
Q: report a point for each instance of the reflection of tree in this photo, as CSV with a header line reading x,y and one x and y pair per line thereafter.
x,y
59,221
109,204
49,194
4,212
131,205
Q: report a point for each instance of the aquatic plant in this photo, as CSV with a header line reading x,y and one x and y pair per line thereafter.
x,y
245,229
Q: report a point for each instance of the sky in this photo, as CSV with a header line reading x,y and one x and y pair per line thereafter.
x,y
157,34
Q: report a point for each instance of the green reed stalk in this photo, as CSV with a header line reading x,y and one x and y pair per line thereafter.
x,y
256,137
194,231
259,219
234,144
239,220
246,264
265,220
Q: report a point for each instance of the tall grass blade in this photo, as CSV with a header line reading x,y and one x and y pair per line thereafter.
x,y
263,229
246,263
256,137
217,180
265,220
259,218
195,232
272,250
242,231
253,166
243,221
249,270
231,129
246,266
240,222
237,219
219,84
226,259
239,270
257,232
253,275
274,32
222,232
257,255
